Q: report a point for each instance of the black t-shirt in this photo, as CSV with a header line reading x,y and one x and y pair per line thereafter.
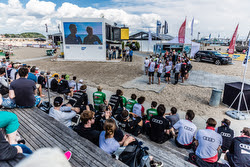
x,y
115,101
41,80
78,99
89,133
158,125
62,86
7,56
24,92
227,136
54,85
240,153
92,40
129,126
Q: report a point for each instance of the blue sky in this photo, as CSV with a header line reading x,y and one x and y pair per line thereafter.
x,y
211,16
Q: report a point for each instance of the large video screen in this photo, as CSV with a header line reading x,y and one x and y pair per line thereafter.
x,y
83,33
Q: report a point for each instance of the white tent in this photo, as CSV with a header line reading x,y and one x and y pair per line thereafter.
x,y
194,46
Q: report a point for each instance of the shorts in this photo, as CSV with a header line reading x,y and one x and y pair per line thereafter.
x,y
151,74
229,158
8,103
146,68
167,75
38,86
9,122
183,74
189,146
159,74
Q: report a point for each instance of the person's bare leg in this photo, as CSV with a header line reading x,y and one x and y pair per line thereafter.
x,y
1,99
152,79
71,92
40,91
149,80
159,80
12,137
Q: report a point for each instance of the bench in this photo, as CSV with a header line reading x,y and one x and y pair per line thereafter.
x,y
40,130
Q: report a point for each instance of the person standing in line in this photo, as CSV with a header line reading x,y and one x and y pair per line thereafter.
x,y
146,63
159,71
151,70
177,69
110,53
114,54
131,55
168,68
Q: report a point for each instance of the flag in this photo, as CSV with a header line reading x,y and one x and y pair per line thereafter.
x,y
233,40
244,63
46,26
166,27
209,36
59,27
192,27
158,27
218,35
181,34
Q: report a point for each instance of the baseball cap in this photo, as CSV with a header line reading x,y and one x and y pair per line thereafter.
x,y
80,81
58,101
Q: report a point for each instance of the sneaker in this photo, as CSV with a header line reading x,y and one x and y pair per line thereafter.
x,y
156,164
68,155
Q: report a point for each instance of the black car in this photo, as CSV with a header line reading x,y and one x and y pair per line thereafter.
x,y
212,56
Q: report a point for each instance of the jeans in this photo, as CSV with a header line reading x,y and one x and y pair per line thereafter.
x,y
26,150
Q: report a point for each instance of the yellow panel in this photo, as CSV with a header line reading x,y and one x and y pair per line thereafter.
x,y
124,33
239,57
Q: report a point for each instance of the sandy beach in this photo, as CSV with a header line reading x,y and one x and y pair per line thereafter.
x,y
112,75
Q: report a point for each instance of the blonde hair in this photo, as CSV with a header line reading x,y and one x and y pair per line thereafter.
x,y
109,127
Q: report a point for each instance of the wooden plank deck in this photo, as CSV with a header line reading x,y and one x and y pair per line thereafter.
x,y
39,131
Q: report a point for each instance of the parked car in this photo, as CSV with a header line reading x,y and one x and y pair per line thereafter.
x,y
212,56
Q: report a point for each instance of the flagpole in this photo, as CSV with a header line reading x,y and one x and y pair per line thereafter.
x,y
244,78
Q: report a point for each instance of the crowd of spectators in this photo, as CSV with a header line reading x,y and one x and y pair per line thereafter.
x,y
105,121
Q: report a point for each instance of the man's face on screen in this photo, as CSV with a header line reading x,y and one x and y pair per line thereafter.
x,y
73,30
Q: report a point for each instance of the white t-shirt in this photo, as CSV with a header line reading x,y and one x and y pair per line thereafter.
x,y
151,67
177,67
160,68
63,117
146,62
170,63
186,130
209,141
72,83
168,68
138,109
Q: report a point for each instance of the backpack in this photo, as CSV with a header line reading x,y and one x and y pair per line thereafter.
x,y
45,106
134,155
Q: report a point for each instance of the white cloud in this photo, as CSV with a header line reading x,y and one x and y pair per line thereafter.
x,y
211,16
40,7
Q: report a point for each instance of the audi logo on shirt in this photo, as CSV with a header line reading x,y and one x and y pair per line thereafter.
x,y
225,134
210,139
188,128
157,121
245,146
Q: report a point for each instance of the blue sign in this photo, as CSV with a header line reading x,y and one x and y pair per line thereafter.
x,y
83,48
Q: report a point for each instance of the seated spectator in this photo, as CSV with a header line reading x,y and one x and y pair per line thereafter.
x,y
85,128
124,100
9,122
107,141
116,102
80,98
186,131
78,85
158,127
41,79
239,151
173,116
9,152
31,75
138,108
72,83
98,98
130,122
54,83
226,133
4,89
63,114
22,92
152,111
63,87
131,102
209,143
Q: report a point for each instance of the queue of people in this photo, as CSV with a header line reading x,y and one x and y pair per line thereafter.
x,y
126,54
170,64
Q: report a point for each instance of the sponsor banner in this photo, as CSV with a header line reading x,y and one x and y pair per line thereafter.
x,y
239,57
